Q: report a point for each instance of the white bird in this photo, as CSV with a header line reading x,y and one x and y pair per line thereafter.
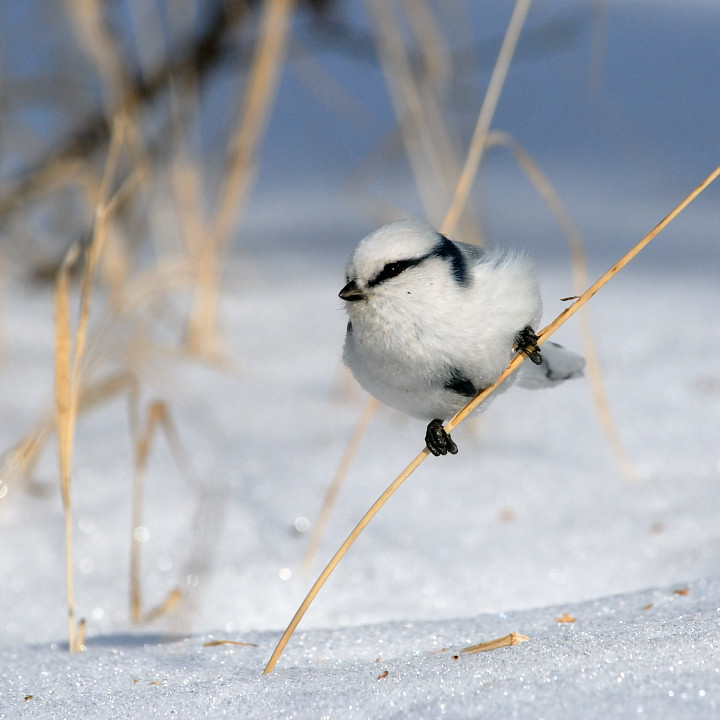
x,y
432,322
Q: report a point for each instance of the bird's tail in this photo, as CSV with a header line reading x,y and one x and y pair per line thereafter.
x,y
558,365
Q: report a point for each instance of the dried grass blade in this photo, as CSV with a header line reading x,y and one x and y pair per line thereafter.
x,y
410,110
170,602
580,281
157,417
337,482
216,643
325,574
240,171
487,111
69,351
64,424
141,445
264,78
625,259
514,638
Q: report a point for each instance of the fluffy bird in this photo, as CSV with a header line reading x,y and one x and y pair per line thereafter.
x,y
432,322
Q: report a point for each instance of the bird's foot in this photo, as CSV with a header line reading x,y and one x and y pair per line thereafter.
x,y
438,441
526,342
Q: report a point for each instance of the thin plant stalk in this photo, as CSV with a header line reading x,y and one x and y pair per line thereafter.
x,y
332,493
544,334
580,280
157,417
64,413
325,574
240,172
69,355
424,134
98,41
426,162
487,111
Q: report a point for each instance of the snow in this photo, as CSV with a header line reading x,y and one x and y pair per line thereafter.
x,y
532,520
647,654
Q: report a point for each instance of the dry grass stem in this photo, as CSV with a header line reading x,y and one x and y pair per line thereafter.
x,y
69,355
625,259
20,461
262,86
325,574
469,408
100,44
487,111
64,413
514,638
240,169
216,643
80,637
157,417
337,482
431,42
421,143
417,92
580,280
170,603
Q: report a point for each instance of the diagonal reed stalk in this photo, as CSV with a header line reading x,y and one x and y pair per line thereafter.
x,y
544,334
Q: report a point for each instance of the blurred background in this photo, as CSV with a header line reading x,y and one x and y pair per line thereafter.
x,y
207,167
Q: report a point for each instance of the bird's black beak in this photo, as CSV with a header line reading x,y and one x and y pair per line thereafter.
x,y
351,292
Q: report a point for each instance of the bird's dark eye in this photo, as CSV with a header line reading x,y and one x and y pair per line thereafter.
x,y
393,269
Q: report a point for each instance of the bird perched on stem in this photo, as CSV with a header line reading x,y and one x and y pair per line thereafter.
x,y
433,322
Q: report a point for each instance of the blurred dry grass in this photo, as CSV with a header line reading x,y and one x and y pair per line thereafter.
x,y
130,177
112,346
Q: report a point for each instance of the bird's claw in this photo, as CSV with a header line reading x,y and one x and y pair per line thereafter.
x,y
526,342
438,441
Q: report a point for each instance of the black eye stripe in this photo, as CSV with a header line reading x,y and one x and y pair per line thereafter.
x,y
393,269
445,249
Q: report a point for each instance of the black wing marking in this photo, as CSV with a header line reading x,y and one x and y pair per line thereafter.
x,y
449,251
459,383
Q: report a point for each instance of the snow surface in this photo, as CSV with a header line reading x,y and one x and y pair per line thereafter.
x,y
533,519
648,654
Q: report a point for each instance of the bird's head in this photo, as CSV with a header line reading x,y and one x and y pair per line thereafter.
x,y
401,258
